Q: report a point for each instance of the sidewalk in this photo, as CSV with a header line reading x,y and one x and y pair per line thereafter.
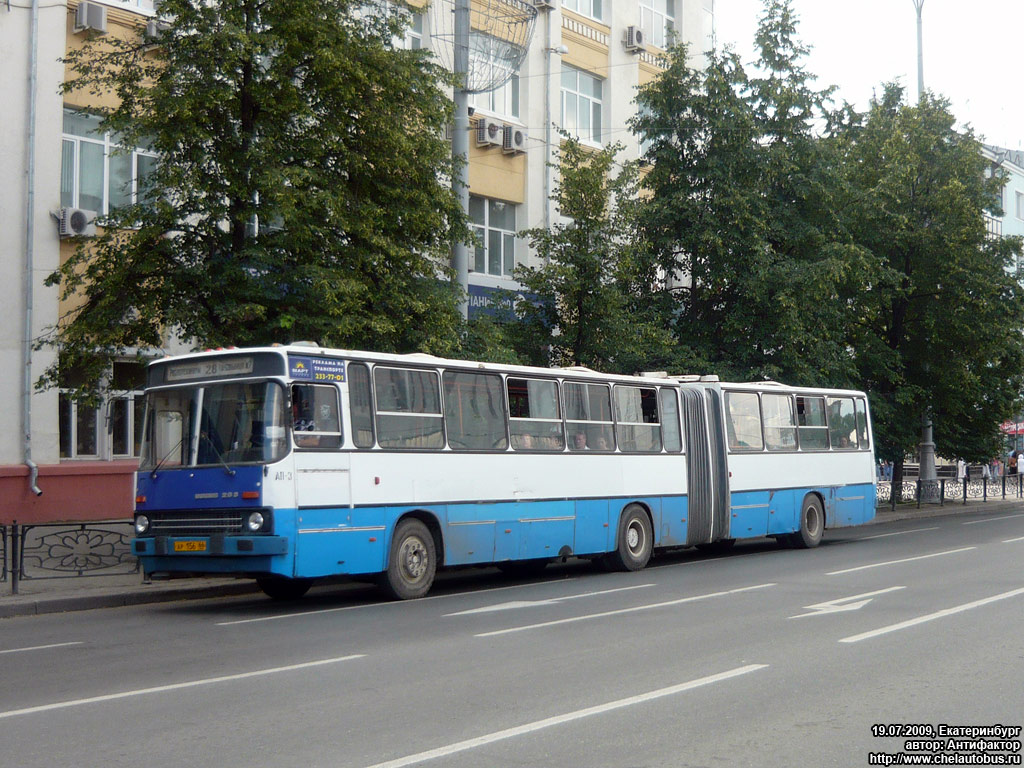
x,y
38,596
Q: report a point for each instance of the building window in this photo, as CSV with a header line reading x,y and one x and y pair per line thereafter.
x,y
112,429
582,95
658,20
502,101
414,34
1020,205
97,174
591,8
494,222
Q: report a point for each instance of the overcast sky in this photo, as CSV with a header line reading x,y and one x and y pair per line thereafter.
x,y
971,52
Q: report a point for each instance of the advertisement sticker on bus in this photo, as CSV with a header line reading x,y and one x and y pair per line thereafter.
x,y
316,368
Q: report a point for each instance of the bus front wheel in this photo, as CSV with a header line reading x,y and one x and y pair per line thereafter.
x,y
283,588
812,524
413,562
635,540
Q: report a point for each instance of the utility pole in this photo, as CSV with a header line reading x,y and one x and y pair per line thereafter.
x,y
919,4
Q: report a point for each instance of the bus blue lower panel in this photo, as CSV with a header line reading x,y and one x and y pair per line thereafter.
x,y
757,513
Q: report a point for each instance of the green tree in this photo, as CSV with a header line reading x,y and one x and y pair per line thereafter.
x,y
741,212
939,330
582,310
302,191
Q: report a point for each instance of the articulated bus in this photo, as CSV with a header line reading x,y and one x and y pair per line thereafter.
x,y
292,463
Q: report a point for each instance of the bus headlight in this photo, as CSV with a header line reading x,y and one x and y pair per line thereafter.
x,y
255,521
141,524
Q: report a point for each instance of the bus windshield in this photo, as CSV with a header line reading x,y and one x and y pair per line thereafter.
x,y
214,424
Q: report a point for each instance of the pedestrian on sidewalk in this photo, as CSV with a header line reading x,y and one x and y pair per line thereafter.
x,y
961,470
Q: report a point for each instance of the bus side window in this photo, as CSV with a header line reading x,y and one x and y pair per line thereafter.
x,y
588,417
360,405
316,420
810,412
474,411
862,423
779,422
534,417
743,421
636,415
842,423
670,420
408,408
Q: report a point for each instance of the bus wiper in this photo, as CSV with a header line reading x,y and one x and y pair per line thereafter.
x,y
220,457
156,467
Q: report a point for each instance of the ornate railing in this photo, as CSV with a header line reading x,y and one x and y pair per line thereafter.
x,y
66,550
942,491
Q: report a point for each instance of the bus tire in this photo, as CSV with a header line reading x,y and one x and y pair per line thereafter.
x,y
812,524
635,541
283,588
412,563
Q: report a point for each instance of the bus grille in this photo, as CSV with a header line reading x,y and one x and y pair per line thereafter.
x,y
196,522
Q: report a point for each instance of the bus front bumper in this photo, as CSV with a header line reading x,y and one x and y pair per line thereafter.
x,y
218,546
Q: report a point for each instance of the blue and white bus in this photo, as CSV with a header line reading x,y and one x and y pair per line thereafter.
x,y
292,463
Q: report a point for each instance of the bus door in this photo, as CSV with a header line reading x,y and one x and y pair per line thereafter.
x,y
321,470
707,475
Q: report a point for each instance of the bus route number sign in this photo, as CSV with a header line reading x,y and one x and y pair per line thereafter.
x,y
316,368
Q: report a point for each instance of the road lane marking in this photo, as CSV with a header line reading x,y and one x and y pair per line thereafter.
x,y
992,519
620,611
516,604
579,714
1010,541
931,616
41,647
175,686
903,560
384,603
843,603
897,533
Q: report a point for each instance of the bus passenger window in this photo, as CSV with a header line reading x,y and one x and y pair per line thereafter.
x,y
408,408
534,417
636,414
779,422
862,423
842,423
316,420
474,411
588,417
810,412
670,421
360,405
743,421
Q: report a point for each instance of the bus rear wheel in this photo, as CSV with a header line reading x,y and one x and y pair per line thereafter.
x,y
635,541
812,524
283,588
412,563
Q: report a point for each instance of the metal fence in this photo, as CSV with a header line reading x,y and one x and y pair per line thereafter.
x,y
943,491
65,550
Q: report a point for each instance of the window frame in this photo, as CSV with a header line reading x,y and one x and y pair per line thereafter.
x,y
588,12
630,425
508,238
731,438
612,437
803,429
653,20
788,396
377,413
502,417
324,438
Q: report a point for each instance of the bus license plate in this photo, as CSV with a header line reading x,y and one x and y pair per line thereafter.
x,y
190,546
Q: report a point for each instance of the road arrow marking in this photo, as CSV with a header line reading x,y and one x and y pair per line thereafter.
x,y
843,603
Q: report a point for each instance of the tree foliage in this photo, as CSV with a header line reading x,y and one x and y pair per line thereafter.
x,y
581,310
303,188
939,328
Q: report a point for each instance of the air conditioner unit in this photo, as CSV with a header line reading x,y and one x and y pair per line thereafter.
x,y
546,4
91,16
75,222
634,40
513,140
489,131
154,28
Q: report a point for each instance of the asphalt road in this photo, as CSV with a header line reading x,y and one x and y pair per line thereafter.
x,y
762,657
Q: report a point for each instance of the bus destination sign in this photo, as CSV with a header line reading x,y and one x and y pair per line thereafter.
x,y
210,369
316,368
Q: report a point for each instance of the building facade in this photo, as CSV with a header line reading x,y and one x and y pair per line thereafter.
x,y
60,460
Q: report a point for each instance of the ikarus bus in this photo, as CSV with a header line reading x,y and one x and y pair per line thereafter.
x,y
292,463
